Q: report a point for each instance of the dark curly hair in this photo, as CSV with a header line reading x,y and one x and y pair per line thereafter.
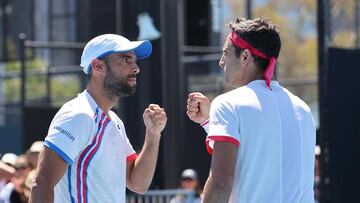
x,y
261,34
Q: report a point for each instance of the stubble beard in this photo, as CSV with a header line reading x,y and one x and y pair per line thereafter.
x,y
118,87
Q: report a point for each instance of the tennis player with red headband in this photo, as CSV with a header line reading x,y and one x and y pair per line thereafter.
x,y
260,135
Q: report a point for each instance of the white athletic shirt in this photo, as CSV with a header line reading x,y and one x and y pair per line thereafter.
x,y
96,148
275,133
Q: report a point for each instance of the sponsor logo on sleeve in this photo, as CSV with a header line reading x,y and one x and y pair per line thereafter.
x,y
215,123
66,133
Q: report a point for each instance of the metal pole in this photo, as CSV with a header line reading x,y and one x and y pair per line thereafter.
x,y
2,59
3,31
323,24
48,85
22,59
357,22
181,77
118,19
22,38
248,9
163,52
50,51
328,20
171,31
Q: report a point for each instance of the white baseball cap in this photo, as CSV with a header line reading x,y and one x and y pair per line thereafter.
x,y
107,44
37,146
9,158
189,173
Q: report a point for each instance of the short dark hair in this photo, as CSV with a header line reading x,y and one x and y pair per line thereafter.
x,y
261,34
89,75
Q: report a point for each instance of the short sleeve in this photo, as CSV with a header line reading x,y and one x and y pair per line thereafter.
x,y
68,134
129,150
223,124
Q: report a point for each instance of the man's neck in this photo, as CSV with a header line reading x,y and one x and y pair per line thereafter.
x,y
102,99
256,77
246,80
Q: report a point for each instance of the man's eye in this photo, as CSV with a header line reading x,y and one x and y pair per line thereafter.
x,y
126,60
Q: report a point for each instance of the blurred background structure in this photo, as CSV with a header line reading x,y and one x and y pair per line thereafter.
x,y
41,43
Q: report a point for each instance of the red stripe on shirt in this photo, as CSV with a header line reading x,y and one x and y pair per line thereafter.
x,y
87,160
81,158
204,123
131,157
220,138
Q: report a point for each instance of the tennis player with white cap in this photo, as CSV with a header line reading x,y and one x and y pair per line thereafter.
x,y
87,155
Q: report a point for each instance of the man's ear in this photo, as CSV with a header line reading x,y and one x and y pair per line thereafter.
x,y
97,65
246,55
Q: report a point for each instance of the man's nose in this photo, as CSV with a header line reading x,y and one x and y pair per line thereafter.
x,y
136,69
222,62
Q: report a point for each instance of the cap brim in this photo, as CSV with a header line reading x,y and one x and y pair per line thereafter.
x,y
188,178
142,49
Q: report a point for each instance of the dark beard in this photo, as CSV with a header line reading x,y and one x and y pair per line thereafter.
x,y
118,87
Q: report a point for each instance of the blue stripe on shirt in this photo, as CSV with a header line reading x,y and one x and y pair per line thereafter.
x,y
92,156
58,151
69,183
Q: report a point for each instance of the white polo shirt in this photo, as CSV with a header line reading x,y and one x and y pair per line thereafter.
x,y
96,148
275,133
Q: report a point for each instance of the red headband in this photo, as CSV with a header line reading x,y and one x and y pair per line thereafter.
x,y
241,43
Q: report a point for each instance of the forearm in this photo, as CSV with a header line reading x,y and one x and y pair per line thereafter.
x,y
41,194
143,169
216,191
6,171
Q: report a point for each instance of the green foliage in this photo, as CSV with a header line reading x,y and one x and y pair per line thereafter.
x,y
344,39
62,87
11,90
34,84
